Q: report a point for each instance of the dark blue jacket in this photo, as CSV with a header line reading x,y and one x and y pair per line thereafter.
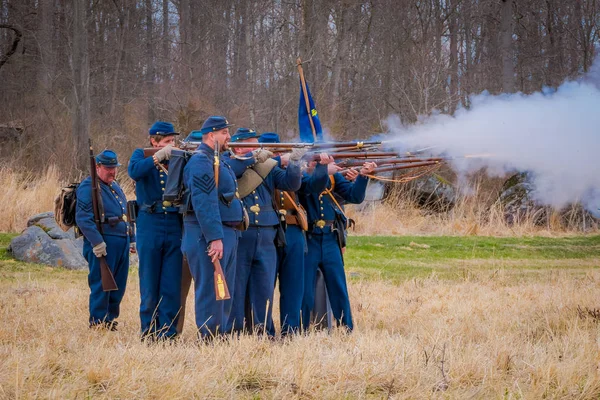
x,y
149,182
319,205
115,205
289,179
211,205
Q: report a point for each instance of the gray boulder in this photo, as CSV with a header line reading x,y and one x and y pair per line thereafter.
x,y
433,193
45,243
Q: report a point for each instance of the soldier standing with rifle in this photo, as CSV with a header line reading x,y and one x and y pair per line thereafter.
x,y
325,238
213,217
159,232
101,217
257,253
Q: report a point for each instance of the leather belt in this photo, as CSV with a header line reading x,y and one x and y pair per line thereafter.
x,y
320,224
232,224
157,207
113,221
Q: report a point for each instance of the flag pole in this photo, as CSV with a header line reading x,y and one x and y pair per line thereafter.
x,y
303,83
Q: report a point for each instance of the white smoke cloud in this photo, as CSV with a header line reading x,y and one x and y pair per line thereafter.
x,y
554,135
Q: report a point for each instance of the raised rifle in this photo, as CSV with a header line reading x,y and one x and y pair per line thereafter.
x,y
315,146
350,162
389,168
184,146
106,275
221,289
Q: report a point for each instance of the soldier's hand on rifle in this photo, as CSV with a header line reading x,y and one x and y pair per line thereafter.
x,y
215,250
164,153
333,168
261,155
368,168
325,159
99,249
351,174
297,154
132,248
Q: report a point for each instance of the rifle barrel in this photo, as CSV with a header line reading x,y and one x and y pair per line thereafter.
x,y
349,162
324,145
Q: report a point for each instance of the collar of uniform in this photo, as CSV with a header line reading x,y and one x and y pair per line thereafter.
x,y
206,149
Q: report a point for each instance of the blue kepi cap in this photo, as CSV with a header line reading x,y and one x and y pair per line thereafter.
x,y
214,123
269,137
162,129
108,158
243,134
194,136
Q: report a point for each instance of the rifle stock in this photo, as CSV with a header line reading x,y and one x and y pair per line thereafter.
x,y
221,289
106,276
184,146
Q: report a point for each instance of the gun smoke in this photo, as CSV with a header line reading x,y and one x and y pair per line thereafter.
x,y
553,135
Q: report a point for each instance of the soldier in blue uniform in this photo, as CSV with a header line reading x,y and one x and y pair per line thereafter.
x,y
323,242
211,226
159,232
290,258
257,256
114,243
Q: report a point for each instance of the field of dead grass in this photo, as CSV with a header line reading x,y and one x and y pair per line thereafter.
x,y
500,331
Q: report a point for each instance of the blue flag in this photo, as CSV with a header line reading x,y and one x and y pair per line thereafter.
x,y
306,133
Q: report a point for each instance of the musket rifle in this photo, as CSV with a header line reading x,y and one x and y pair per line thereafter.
x,y
315,146
221,289
389,168
106,275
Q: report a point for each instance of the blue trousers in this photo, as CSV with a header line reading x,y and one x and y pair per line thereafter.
x,y
104,306
290,269
255,276
159,251
211,314
324,252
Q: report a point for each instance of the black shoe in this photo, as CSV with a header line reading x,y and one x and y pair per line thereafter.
x,y
109,326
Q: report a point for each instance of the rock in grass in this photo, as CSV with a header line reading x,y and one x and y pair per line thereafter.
x,y
44,242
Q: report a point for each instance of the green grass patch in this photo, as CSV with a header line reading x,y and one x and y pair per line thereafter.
x,y
403,257
399,258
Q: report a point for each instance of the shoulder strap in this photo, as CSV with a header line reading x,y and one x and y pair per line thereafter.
x,y
253,177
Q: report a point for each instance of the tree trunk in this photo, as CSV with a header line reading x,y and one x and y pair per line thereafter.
x,y
150,68
81,85
452,27
507,28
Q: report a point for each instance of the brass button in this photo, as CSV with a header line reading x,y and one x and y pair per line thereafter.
x,y
162,182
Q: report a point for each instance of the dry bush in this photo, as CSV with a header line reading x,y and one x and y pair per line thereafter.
x,y
476,211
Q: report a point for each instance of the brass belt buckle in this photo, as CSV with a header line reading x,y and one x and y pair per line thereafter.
x,y
167,203
321,223
124,218
255,209
283,212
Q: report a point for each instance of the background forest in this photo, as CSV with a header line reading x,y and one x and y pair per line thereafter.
x,y
108,68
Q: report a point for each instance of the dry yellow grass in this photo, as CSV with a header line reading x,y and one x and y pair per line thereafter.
x,y
25,194
487,337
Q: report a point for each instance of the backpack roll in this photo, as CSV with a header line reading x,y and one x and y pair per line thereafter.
x,y
65,206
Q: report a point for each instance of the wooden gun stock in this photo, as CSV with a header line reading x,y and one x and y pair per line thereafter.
x,y
184,146
221,289
106,275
